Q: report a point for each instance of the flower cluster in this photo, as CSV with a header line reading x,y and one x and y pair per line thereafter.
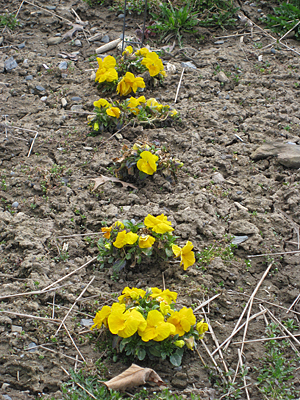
x,y
109,70
111,116
146,159
149,324
130,242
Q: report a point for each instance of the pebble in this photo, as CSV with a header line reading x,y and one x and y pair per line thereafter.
x,y
44,98
273,51
227,97
40,88
21,45
15,204
54,40
64,102
76,107
121,16
16,328
76,98
6,397
221,77
239,239
63,65
28,78
89,149
86,322
219,42
10,64
105,39
78,43
32,346
188,65
51,8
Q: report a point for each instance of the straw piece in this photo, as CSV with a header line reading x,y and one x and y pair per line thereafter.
x,y
179,84
205,303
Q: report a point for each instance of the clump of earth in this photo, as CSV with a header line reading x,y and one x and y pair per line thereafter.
x,y
239,142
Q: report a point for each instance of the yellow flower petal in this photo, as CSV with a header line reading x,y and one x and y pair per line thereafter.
x,y
120,240
106,231
147,162
101,103
113,112
131,238
101,317
159,224
146,241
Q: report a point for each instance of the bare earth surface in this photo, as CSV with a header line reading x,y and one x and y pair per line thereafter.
x,y
230,105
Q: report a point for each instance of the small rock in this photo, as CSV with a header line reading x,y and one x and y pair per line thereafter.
x,y
44,98
217,177
16,328
32,346
40,88
219,42
221,77
119,136
86,322
15,204
239,239
105,39
6,397
10,64
78,43
51,8
121,16
1,40
93,76
171,68
28,78
63,65
77,107
64,102
21,45
188,65
88,148
76,98
227,97
54,40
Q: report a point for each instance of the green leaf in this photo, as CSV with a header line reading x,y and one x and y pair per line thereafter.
x,y
176,358
169,252
141,354
118,265
154,351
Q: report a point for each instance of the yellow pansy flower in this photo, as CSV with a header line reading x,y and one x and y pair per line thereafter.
x,y
101,103
147,162
124,238
182,320
157,329
186,254
119,224
106,231
101,317
165,309
113,112
133,294
128,49
134,103
142,52
168,296
106,70
154,104
179,343
173,113
146,241
111,75
128,83
201,327
153,63
107,63
159,224
125,323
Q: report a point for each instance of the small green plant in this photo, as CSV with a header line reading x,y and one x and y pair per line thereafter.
x,y
146,323
9,20
3,184
275,377
221,13
285,17
205,257
174,20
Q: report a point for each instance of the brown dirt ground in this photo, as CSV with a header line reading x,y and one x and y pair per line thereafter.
x,y
220,191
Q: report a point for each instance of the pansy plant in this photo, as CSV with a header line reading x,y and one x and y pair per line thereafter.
x,y
131,243
148,323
